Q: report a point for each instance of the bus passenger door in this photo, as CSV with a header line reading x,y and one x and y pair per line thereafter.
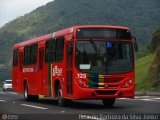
x,y
69,70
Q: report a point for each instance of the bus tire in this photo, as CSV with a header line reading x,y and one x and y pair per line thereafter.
x,y
34,97
108,102
61,102
27,97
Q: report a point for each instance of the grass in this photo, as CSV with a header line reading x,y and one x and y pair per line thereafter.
x,y
142,70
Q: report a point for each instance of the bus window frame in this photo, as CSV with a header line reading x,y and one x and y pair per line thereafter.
x,y
57,39
17,56
29,56
54,52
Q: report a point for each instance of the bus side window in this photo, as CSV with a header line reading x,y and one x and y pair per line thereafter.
x,y
50,51
69,55
59,49
15,57
33,54
26,55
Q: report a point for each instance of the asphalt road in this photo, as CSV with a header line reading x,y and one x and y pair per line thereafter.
x,y
14,106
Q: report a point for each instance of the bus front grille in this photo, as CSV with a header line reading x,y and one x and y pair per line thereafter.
x,y
100,81
105,92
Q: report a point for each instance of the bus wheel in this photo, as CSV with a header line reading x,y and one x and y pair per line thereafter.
x,y
108,102
61,102
26,96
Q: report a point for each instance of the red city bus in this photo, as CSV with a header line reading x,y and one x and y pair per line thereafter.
x,y
81,62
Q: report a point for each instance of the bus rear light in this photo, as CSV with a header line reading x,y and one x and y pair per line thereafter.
x,y
127,83
83,83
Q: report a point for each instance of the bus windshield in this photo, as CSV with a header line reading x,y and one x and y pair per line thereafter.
x,y
104,57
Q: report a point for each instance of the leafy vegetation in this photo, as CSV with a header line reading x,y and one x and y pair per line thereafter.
x,y
144,51
142,16
155,43
148,67
154,73
142,70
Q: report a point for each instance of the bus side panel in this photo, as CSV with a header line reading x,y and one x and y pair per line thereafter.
x,y
16,76
30,74
45,79
35,81
14,79
40,82
58,73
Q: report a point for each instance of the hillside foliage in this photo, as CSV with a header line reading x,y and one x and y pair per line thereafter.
x,y
142,16
154,72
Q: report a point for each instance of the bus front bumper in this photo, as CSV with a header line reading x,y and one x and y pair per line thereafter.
x,y
101,93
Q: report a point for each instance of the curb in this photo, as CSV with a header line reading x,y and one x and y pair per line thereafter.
x,y
147,93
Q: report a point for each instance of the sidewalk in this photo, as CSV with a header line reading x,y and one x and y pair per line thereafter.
x,y
147,93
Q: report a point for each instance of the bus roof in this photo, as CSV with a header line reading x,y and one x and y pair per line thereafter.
x,y
63,32
101,26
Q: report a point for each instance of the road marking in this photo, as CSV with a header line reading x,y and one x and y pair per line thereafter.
x,y
141,96
12,93
146,99
2,101
137,97
43,108
63,111
123,98
2,93
151,100
156,98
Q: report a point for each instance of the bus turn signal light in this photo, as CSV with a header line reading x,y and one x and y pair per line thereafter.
x,y
127,83
83,83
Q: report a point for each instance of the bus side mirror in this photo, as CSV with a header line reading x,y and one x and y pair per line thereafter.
x,y
135,44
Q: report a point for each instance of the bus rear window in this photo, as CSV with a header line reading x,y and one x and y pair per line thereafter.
x,y
103,33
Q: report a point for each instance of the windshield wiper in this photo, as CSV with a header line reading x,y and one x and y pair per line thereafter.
x,y
93,45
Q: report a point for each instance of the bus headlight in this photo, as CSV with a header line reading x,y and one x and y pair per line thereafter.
x,y
127,83
83,83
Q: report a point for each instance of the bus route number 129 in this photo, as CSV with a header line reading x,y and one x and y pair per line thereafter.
x,y
81,75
